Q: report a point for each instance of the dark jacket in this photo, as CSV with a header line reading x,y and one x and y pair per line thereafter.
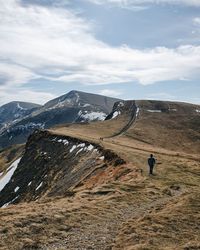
x,y
151,161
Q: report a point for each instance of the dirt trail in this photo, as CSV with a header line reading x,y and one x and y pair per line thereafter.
x,y
100,231
154,150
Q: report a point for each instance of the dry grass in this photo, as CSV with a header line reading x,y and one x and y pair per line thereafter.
x,y
120,210
8,155
121,207
175,226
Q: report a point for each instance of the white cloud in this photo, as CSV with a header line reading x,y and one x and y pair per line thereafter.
x,y
196,20
11,73
110,92
54,43
168,97
9,95
136,3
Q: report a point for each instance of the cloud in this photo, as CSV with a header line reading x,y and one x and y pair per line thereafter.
x,y
168,97
110,92
196,20
53,43
137,3
11,73
20,94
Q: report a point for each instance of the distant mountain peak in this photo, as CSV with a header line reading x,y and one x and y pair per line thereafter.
x,y
80,98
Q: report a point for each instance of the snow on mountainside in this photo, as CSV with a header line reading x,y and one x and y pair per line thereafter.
x,y
8,175
90,116
41,171
73,107
14,111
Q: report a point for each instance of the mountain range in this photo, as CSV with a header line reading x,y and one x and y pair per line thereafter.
x,y
19,119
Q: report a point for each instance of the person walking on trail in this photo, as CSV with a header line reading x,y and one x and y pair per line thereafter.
x,y
151,162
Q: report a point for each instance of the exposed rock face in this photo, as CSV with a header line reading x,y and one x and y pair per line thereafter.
x,y
122,107
73,107
127,108
53,165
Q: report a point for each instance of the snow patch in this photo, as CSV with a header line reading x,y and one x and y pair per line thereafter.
x,y
29,183
79,151
58,105
43,153
100,116
39,186
90,147
21,108
64,141
1,174
77,97
137,111
72,149
102,158
16,189
82,146
7,177
121,104
8,203
197,110
115,114
154,110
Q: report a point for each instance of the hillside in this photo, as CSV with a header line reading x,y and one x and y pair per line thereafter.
x,y
86,186
166,126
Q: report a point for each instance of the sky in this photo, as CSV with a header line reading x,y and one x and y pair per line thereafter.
x,y
129,49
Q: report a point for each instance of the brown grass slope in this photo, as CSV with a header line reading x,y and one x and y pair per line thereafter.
x,y
121,207
8,155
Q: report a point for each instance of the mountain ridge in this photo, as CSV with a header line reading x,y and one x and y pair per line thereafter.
x,y
15,110
72,107
81,186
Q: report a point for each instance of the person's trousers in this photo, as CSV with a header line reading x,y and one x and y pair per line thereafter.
x,y
150,169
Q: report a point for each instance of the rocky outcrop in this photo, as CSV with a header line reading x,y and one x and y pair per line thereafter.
x,y
125,108
53,165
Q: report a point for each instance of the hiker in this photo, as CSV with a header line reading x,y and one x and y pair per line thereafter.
x,y
151,162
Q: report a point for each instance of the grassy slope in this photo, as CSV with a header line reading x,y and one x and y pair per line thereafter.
x,y
128,209
8,155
